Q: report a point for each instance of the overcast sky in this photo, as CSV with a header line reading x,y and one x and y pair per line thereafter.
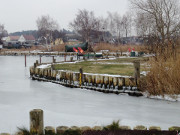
x,y
18,15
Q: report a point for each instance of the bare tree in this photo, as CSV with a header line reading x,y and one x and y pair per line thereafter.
x,y
115,25
84,23
127,24
118,26
164,16
3,32
46,25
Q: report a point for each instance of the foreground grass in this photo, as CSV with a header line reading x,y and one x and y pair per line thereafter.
x,y
120,66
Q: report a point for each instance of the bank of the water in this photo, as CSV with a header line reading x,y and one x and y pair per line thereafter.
x,y
65,106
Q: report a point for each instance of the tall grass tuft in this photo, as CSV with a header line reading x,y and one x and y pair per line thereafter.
x,y
24,131
113,126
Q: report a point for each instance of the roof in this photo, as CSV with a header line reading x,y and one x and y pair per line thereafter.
x,y
14,38
29,37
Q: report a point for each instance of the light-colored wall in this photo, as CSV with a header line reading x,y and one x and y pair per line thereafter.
x,y
8,39
22,39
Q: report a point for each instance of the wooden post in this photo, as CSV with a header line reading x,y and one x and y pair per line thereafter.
x,y
36,62
136,71
65,57
40,59
61,129
36,121
80,76
94,55
77,56
25,60
49,130
88,55
71,59
52,59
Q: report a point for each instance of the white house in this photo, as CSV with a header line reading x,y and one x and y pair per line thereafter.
x,y
27,39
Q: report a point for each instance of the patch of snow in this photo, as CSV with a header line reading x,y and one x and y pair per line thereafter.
x,y
144,73
44,66
172,98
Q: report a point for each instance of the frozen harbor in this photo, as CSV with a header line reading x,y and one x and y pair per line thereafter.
x,y
65,106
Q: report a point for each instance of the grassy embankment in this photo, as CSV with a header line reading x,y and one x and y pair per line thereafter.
x,y
120,66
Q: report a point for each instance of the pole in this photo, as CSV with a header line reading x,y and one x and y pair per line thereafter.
x,y
65,57
25,60
136,71
40,59
80,76
36,122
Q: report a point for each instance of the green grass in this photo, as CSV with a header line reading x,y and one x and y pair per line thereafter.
x,y
103,67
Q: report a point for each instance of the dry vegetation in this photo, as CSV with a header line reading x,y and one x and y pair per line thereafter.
x,y
121,48
164,76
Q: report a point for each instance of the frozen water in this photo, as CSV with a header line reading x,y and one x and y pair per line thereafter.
x,y
65,106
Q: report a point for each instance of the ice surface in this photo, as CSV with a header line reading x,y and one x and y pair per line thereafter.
x,y
65,106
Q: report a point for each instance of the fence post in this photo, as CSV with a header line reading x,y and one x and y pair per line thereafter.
x,y
25,59
40,59
49,130
36,121
80,76
65,57
136,71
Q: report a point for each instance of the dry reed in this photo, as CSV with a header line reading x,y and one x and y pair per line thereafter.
x,y
164,76
120,48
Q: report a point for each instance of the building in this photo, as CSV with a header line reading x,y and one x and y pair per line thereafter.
x,y
29,39
12,39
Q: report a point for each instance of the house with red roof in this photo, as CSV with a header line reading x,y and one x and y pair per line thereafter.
x,y
27,39
12,39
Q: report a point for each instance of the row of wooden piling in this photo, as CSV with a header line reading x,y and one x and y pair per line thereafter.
x,y
83,79
21,53
37,126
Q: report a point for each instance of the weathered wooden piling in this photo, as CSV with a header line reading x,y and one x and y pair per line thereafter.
x,y
122,127
36,121
89,79
65,57
93,81
115,82
71,59
136,71
110,81
61,129
97,128
140,127
40,59
102,80
49,130
106,81
157,128
80,77
25,60
121,82
85,128
53,60
98,80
